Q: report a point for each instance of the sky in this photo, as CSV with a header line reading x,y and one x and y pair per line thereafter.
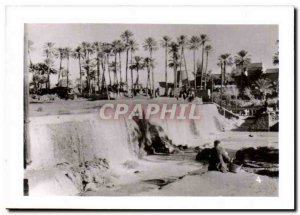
x,y
258,40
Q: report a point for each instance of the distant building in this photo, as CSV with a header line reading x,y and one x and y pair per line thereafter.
x,y
253,72
216,79
162,87
272,75
162,84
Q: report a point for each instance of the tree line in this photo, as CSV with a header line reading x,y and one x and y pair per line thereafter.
x,y
99,60
100,63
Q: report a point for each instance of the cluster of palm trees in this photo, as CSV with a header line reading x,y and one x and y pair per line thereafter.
x,y
99,61
178,59
241,60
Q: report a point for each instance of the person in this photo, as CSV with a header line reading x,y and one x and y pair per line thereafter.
x,y
218,158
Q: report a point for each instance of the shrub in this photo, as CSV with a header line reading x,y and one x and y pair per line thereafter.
x,y
248,93
247,103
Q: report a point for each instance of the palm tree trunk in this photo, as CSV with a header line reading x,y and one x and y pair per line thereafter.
x,y
201,86
186,72
88,80
103,79
68,60
225,73
175,75
180,68
126,78
59,72
222,80
137,76
103,84
131,69
212,87
195,75
206,70
98,74
116,77
152,74
80,75
148,81
166,69
108,69
120,67
88,83
152,82
48,79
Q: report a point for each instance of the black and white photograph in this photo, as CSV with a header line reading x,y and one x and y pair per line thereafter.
x,y
171,110
137,108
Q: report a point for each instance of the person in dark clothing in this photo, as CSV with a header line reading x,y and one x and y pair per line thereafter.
x,y
218,158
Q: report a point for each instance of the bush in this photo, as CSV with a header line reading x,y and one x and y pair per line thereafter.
x,y
247,103
248,93
216,97
273,101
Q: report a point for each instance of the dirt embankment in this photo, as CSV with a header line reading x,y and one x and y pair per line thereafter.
x,y
75,153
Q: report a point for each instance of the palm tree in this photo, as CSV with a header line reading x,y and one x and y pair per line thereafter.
x,y
87,50
210,78
50,53
242,59
121,48
138,65
88,65
77,54
263,86
276,56
166,40
40,71
149,64
208,49
107,49
102,57
182,42
30,48
204,38
174,49
223,61
150,45
68,52
61,55
126,37
97,46
116,48
194,44
133,46
113,67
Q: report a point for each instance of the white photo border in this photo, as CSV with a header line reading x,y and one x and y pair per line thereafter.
x,y
17,16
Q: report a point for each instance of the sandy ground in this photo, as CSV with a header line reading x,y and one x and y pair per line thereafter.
x,y
181,175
